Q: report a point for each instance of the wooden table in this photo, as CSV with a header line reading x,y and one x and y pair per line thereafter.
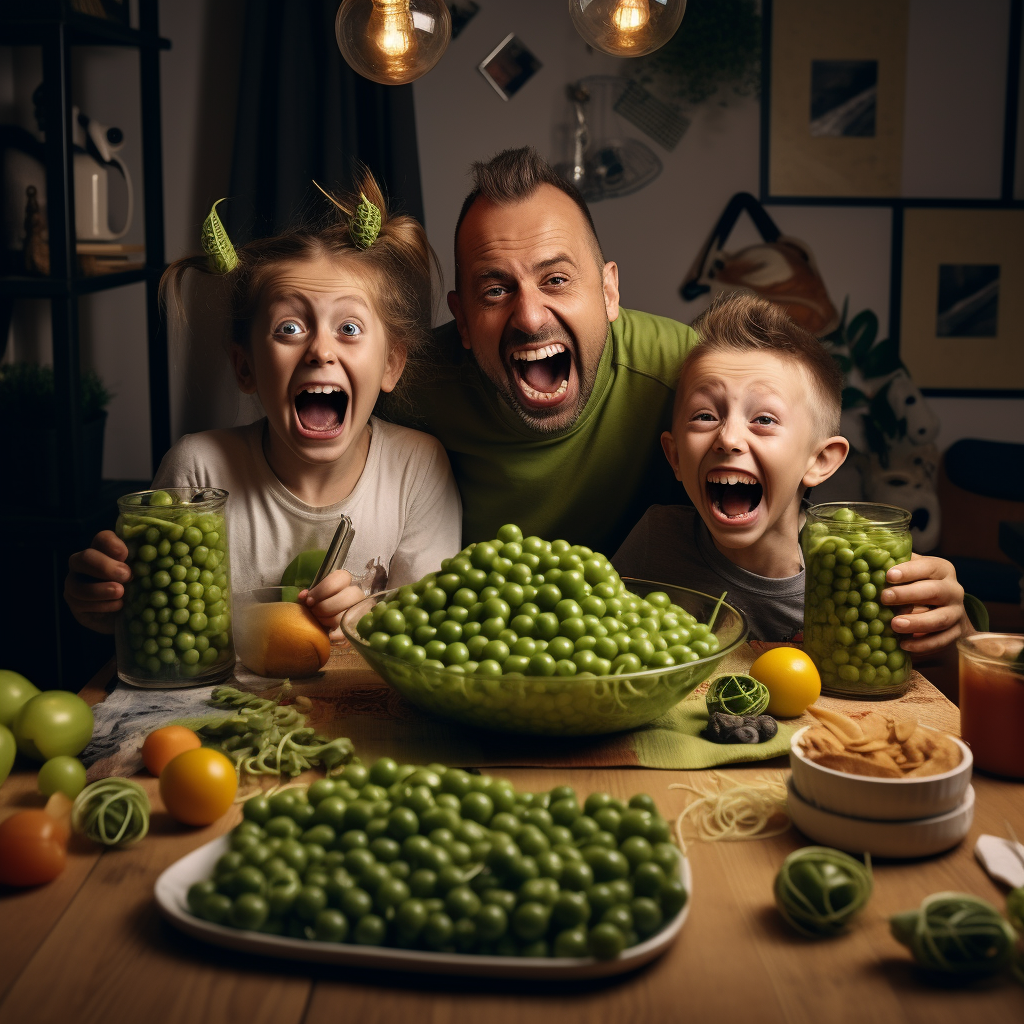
x,y
92,947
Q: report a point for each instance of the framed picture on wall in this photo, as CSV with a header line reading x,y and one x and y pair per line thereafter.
x,y
836,86
962,305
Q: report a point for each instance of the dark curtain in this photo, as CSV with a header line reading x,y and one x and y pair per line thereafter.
x,y
304,114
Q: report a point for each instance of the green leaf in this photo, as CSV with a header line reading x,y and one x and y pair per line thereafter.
x,y
883,359
861,335
216,243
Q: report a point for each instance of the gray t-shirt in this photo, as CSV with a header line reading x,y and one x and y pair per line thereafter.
x,y
405,507
672,545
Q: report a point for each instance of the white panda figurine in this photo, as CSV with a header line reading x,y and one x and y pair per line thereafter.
x,y
908,403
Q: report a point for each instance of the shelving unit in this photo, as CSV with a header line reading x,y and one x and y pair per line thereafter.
x,y
39,613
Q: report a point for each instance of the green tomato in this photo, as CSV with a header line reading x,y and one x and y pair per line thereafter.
x,y
62,774
8,748
52,723
15,690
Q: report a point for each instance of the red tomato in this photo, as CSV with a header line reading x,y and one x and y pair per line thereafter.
x,y
33,848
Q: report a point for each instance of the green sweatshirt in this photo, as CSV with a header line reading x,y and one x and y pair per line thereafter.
x,y
590,484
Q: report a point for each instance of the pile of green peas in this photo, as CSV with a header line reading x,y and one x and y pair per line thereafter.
x,y
436,858
847,631
176,621
533,607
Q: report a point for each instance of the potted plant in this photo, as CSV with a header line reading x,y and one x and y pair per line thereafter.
x,y
29,459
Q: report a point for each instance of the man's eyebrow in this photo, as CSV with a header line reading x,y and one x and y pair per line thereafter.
x,y
553,261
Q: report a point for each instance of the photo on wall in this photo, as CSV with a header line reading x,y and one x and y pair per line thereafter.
x,y
836,93
462,12
968,300
509,66
844,97
962,298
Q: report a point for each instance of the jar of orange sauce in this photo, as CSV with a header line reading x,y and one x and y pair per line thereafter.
x,y
992,701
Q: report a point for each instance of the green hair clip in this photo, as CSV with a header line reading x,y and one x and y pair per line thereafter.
x,y
364,227
364,224
216,243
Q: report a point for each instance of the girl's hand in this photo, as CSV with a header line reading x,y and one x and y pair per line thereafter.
x,y
94,587
331,597
933,603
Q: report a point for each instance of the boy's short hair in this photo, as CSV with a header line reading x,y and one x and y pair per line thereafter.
x,y
746,323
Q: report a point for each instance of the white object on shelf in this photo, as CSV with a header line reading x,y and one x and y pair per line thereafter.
x,y
171,892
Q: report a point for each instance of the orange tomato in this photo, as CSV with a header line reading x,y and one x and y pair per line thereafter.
x,y
33,848
163,745
792,680
198,786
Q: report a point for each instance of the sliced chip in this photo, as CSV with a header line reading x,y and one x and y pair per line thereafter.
x,y
845,728
853,764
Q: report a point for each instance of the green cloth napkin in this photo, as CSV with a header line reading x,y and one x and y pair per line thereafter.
x,y
674,741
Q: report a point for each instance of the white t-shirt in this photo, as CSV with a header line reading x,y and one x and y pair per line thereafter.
x,y
405,507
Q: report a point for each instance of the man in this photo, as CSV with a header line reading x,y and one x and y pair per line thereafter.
x,y
549,398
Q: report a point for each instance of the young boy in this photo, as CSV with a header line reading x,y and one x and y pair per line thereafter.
x,y
756,423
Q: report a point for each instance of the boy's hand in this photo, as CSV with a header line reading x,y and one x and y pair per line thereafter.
x,y
94,587
932,603
334,595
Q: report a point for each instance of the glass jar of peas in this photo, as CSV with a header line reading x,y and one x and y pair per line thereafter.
x,y
848,549
175,627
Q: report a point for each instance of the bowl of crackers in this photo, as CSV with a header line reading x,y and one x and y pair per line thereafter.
x,y
879,765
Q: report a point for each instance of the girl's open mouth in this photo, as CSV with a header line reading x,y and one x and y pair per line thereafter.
x,y
542,374
320,410
734,496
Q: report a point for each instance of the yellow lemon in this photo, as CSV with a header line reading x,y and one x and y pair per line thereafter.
x,y
791,678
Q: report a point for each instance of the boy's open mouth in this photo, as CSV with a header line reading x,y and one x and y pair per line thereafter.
x,y
542,374
320,410
734,495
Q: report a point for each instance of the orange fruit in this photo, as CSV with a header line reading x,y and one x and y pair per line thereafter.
x,y
792,680
198,786
163,745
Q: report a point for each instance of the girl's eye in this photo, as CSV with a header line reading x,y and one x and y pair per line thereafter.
x,y
764,421
289,328
704,417
351,330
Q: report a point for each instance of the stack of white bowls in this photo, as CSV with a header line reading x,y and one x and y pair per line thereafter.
x,y
912,817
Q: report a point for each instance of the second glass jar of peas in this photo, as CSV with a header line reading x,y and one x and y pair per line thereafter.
x,y
848,549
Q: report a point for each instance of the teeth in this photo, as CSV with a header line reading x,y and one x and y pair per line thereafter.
x,y
731,478
541,396
532,355
322,389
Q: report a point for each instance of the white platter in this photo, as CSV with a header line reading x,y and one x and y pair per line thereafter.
x,y
920,837
171,895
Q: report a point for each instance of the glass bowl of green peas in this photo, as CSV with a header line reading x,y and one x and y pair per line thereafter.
x,y
848,549
574,651
175,627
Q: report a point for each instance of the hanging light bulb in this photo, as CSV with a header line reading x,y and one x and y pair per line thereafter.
x,y
626,28
392,41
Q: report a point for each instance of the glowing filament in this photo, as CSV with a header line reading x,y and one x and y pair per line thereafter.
x,y
395,33
630,16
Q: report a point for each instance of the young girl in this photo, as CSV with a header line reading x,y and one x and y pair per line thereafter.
x,y
323,324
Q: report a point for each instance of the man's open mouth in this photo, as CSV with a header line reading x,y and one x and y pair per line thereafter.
x,y
733,494
320,410
543,373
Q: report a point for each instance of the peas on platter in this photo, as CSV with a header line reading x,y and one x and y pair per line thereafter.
x,y
175,626
529,635
448,862
847,630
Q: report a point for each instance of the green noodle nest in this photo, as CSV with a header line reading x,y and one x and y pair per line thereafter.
x,y
114,812
818,890
738,694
